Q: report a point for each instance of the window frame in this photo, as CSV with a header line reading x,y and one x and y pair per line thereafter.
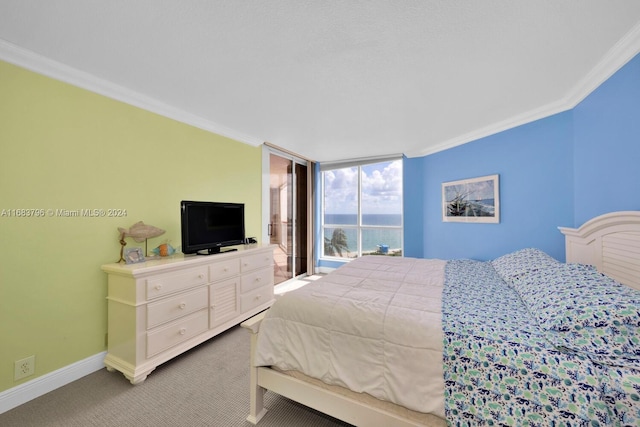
x,y
359,226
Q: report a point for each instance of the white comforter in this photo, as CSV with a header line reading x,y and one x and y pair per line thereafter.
x,y
373,326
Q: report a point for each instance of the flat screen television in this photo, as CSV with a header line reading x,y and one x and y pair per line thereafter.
x,y
209,226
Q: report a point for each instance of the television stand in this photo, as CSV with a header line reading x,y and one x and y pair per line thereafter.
x,y
161,308
214,251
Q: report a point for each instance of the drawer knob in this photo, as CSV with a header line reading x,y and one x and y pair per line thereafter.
x,y
182,306
158,287
258,279
200,276
258,297
225,269
183,331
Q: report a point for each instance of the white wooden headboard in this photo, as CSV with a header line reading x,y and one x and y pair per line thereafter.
x,y
611,243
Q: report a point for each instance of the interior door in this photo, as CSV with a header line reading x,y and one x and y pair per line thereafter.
x,y
287,223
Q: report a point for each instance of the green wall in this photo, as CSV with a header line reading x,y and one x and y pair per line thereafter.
x,y
66,148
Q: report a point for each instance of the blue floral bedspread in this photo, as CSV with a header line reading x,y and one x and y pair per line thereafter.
x,y
501,369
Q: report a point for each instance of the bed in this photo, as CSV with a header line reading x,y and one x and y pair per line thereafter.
x,y
522,339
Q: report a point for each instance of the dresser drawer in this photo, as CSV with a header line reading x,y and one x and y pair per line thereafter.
x,y
177,332
256,280
224,269
161,285
256,298
253,262
177,306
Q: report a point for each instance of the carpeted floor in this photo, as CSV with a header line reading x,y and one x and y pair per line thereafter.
x,y
207,386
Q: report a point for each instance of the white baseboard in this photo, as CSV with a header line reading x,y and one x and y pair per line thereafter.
x,y
37,387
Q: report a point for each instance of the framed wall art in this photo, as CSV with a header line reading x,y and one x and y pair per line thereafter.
x,y
471,200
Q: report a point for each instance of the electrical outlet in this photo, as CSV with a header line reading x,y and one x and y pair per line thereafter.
x,y
24,368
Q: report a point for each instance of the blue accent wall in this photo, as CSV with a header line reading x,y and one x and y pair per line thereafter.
x,y
558,171
413,196
607,146
533,162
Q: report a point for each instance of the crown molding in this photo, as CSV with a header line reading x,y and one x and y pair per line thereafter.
x,y
494,128
621,53
42,65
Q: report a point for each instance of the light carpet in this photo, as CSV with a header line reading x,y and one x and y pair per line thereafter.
x,y
206,386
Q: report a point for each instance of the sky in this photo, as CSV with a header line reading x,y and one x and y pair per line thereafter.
x,y
381,189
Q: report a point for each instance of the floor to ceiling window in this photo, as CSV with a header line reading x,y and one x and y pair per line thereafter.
x,y
362,208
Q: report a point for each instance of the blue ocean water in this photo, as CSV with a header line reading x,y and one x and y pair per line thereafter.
x,y
372,239
367,219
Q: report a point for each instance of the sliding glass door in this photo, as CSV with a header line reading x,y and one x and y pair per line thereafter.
x,y
287,214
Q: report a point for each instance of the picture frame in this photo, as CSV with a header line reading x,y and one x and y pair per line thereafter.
x,y
475,200
133,255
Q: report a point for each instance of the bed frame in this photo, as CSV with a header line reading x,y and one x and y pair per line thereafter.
x,y
321,399
610,242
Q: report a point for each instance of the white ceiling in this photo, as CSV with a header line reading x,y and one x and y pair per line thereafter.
x,y
331,79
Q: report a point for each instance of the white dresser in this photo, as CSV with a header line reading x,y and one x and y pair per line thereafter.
x,y
161,308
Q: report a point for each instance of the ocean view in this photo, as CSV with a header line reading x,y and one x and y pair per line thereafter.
x,y
371,238
367,219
